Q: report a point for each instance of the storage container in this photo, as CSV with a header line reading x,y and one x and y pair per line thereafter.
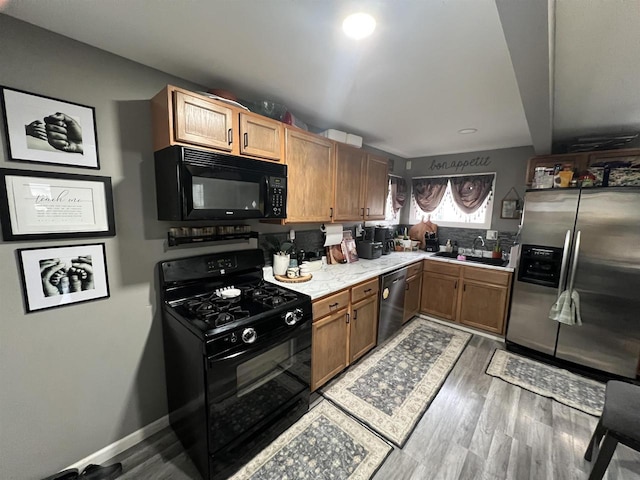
x,y
354,140
337,135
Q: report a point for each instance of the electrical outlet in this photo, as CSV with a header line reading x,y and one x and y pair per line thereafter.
x,y
408,165
492,234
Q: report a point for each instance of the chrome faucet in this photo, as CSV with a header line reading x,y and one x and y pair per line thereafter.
x,y
479,237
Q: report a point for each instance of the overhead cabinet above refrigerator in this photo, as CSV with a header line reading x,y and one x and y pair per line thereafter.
x,y
584,241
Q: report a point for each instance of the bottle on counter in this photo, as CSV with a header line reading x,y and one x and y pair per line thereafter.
x,y
605,175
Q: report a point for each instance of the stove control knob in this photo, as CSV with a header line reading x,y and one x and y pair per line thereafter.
x,y
234,338
249,335
290,318
298,314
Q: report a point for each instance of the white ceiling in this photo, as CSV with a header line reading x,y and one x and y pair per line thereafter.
x,y
431,68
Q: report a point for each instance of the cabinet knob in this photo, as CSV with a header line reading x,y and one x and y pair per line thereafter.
x,y
246,139
230,136
348,317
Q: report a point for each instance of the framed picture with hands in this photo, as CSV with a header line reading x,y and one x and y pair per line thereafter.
x,y
46,130
57,276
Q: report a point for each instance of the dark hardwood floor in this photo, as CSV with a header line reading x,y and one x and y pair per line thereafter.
x,y
477,428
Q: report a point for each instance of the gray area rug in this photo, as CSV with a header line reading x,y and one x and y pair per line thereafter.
x,y
324,444
563,386
390,389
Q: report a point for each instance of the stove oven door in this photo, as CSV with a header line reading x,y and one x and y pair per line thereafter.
x,y
255,392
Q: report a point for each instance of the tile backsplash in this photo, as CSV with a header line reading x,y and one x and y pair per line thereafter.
x,y
313,240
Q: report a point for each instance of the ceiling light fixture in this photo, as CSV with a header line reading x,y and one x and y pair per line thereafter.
x,y
466,131
359,25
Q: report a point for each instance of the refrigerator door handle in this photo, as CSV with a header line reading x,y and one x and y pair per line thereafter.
x,y
574,265
565,261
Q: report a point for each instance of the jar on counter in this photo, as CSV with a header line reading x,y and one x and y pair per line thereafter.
x,y
543,177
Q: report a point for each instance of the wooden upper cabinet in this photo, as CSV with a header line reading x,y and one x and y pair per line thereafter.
x,y
201,122
580,160
349,188
376,186
310,182
260,136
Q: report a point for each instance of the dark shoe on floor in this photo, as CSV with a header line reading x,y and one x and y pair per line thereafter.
x,y
70,474
97,472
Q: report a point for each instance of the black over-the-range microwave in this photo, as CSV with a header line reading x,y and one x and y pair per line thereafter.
x,y
195,184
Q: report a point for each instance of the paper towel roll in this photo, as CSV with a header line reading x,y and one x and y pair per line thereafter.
x,y
333,234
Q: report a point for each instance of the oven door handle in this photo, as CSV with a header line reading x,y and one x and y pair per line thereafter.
x,y
235,353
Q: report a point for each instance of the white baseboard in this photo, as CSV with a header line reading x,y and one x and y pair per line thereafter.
x,y
119,446
462,327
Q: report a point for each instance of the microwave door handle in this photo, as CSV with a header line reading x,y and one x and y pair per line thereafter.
x,y
574,265
565,260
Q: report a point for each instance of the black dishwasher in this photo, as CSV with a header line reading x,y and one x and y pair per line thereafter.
x,y
392,292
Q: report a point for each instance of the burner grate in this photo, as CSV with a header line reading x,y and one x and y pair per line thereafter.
x,y
220,318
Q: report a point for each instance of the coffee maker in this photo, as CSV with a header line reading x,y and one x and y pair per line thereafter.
x,y
431,242
385,236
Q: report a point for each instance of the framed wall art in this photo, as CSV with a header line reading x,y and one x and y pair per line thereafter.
x,y
48,205
46,130
57,276
511,205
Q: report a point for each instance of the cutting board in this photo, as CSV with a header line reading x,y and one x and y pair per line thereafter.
x,y
301,279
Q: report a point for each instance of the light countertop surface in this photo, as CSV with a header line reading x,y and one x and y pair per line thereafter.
x,y
333,278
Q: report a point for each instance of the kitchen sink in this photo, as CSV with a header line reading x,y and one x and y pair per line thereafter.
x,y
497,262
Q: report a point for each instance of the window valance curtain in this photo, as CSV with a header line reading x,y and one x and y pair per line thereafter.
x,y
469,192
398,193
428,192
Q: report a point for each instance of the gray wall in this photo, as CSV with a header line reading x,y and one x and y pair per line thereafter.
x,y
509,164
77,378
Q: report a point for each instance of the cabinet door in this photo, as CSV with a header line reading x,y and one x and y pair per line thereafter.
x,y
363,332
412,297
376,187
202,122
260,136
439,295
349,173
329,347
483,306
310,163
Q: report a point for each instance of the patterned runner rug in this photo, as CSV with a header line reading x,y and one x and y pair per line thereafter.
x,y
563,386
390,389
325,443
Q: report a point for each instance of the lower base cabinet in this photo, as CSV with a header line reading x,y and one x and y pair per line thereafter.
x,y
413,291
345,327
473,296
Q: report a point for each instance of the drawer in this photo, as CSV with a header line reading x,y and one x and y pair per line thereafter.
x,y
414,269
486,275
441,267
330,304
370,287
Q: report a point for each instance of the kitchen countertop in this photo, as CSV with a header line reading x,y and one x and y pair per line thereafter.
x,y
334,278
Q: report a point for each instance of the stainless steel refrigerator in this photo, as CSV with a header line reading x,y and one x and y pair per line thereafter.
x,y
588,240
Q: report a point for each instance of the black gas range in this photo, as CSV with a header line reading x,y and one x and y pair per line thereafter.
x,y
237,357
